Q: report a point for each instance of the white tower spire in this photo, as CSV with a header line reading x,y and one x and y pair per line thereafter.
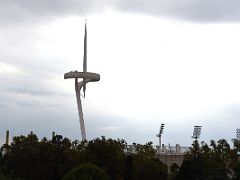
x,y
87,77
85,59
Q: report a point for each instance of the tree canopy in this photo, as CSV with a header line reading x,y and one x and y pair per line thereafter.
x,y
86,172
215,161
30,158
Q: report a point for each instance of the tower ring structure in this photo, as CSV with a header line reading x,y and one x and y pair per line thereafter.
x,y
92,77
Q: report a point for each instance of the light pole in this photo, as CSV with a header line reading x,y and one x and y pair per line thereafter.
x,y
238,134
159,135
196,132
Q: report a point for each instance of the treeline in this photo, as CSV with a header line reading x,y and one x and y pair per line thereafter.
x,y
60,158
28,158
217,161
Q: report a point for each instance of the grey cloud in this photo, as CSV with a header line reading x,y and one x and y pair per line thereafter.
x,y
192,10
29,85
32,10
22,120
109,126
15,51
29,94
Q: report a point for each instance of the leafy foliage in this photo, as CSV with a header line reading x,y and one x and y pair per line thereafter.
x,y
217,161
30,158
146,166
107,154
86,172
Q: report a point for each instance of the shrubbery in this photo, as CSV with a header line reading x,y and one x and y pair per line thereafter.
x,y
60,158
86,172
33,159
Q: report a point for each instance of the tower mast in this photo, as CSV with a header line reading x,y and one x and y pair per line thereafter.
x,y
86,78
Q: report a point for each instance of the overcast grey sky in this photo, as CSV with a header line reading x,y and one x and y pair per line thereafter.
x,y
193,10
174,62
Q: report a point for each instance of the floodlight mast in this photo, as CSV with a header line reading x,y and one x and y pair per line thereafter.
x,y
87,77
238,134
196,132
159,135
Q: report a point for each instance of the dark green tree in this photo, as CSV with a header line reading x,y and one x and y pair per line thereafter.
x,y
86,172
173,171
128,168
146,165
108,154
204,162
151,169
235,164
30,158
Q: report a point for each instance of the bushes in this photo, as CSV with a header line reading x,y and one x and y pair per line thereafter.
x,y
217,161
86,172
31,158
